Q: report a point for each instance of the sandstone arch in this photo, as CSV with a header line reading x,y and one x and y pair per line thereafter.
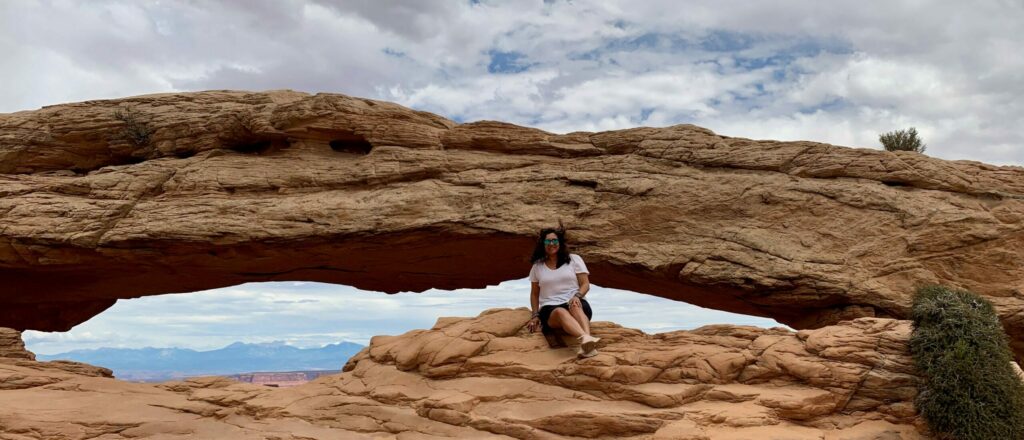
x,y
233,187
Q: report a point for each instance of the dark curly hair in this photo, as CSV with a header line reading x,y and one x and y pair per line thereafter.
x,y
540,255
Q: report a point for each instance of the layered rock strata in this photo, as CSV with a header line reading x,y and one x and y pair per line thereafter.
x,y
487,377
154,194
19,370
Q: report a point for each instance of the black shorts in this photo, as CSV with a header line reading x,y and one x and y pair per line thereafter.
x,y
545,313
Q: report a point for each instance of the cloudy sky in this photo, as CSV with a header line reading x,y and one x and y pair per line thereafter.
x,y
838,71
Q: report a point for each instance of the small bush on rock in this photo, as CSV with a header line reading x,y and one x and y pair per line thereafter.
x,y
970,391
136,128
902,140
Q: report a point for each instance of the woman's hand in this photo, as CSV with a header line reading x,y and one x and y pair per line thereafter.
x,y
575,302
533,325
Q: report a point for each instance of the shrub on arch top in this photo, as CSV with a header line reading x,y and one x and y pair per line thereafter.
x,y
970,390
902,140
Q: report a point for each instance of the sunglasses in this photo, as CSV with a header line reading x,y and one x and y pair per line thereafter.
x,y
551,241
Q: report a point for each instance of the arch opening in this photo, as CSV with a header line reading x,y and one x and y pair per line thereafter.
x,y
291,327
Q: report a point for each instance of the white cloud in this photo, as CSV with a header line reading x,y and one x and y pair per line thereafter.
x,y
517,94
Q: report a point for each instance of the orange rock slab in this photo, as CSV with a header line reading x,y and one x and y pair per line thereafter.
x,y
487,377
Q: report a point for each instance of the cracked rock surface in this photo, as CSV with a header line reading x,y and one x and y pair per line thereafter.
x,y
487,377
210,189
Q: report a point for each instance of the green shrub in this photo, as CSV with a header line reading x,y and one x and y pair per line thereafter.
x,y
136,128
970,391
902,140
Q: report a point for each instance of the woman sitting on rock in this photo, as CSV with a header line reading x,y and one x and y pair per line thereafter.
x,y
558,285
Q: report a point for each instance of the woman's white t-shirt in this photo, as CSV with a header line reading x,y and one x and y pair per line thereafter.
x,y
557,286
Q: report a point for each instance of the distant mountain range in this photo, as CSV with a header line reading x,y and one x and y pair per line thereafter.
x,y
159,364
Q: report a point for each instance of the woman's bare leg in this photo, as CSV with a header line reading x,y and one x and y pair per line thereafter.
x,y
581,317
561,318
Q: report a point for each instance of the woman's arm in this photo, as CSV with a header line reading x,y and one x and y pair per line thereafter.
x,y
534,303
584,280
582,274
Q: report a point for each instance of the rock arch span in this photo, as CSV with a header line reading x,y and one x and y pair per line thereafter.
x,y
230,187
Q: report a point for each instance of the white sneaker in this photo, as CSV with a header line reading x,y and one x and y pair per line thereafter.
x,y
588,343
587,354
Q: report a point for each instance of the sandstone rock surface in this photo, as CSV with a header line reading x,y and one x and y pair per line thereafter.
x,y
487,377
182,192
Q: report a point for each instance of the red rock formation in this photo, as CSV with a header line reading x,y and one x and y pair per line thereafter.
x,y
201,190
19,369
487,377
12,347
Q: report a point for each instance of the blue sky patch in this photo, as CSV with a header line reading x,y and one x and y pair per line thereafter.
x,y
724,41
833,103
742,47
645,113
507,62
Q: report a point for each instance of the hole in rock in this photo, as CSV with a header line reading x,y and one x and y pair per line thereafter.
x,y
584,183
184,154
893,183
309,327
257,147
350,143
